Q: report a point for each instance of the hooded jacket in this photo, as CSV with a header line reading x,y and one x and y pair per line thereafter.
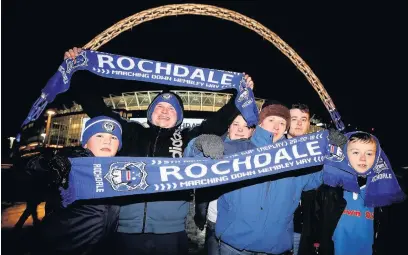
x,y
259,217
163,212
325,208
330,209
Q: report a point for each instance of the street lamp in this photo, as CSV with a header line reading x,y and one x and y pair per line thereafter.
x,y
43,137
50,112
11,138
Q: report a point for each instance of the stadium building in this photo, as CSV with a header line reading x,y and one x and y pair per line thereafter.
x,y
63,127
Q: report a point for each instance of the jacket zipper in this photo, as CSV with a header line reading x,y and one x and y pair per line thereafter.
x,y
266,193
145,204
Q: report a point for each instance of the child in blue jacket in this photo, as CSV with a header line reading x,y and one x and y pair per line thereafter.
x,y
351,205
206,199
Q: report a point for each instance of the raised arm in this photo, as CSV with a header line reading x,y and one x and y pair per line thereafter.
x,y
92,104
219,121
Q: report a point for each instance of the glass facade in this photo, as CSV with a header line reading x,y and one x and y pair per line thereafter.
x,y
66,130
66,126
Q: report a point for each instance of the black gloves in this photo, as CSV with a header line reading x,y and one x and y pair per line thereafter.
x,y
75,152
211,145
57,166
201,209
199,221
60,165
337,138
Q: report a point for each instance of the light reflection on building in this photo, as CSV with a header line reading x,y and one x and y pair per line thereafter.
x,y
66,124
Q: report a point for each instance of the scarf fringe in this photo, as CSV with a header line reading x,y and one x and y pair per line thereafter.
x,y
68,195
386,199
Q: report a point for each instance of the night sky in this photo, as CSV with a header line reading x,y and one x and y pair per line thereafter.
x,y
357,51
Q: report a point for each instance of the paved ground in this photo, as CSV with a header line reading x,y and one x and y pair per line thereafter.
x,y
12,212
19,242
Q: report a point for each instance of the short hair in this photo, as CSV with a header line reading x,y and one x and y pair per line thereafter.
x,y
270,102
362,137
302,107
253,126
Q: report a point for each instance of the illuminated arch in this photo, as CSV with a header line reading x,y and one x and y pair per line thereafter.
x,y
209,10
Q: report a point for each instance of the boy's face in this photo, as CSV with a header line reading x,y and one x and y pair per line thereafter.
x,y
276,125
103,145
299,122
239,129
164,115
361,155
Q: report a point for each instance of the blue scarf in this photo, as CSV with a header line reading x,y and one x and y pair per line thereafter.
x,y
99,177
129,68
382,186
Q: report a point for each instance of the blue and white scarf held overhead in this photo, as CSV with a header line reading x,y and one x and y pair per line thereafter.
x,y
130,68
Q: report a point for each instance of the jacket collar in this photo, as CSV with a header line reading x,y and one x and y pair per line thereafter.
x,y
262,137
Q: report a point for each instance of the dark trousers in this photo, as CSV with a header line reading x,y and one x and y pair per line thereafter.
x,y
31,209
211,242
226,249
148,243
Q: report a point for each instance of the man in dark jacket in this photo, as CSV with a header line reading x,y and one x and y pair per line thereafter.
x,y
299,125
155,224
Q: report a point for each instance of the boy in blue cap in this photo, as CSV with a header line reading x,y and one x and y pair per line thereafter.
x,y
79,228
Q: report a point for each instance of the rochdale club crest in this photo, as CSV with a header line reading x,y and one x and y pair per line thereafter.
x,y
125,176
108,126
166,96
244,96
335,153
380,166
80,60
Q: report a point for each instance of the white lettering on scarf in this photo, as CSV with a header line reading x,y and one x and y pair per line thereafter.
x,y
271,161
97,172
177,143
145,66
381,176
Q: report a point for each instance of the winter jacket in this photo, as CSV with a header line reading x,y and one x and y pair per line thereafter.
x,y
205,195
324,209
298,216
259,218
82,227
163,212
